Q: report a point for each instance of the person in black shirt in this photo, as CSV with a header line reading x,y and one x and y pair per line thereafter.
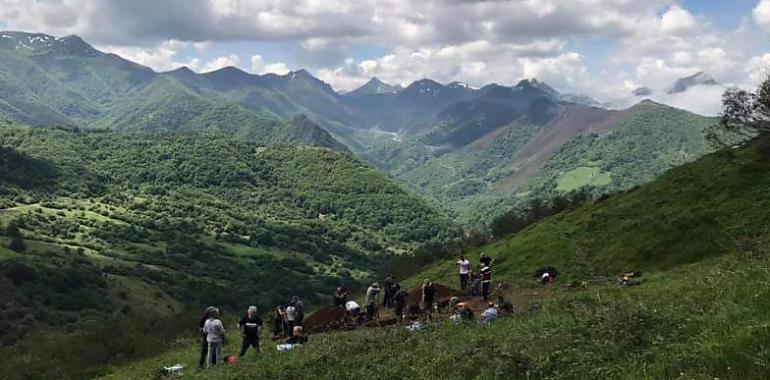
x,y
486,260
204,342
389,291
399,301
340,296
486,281
280,327
250,325
297,336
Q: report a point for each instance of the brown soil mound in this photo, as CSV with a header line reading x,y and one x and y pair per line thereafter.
x,y
331,317
328,318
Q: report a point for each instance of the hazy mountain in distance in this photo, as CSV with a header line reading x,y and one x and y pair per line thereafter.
x,y
374,86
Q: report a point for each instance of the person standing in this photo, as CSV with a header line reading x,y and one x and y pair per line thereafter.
x,y
215,336
340,296
291,317
486,260
204,342
299,307
465,270
388,292
475,284
279,322
399,301
250,325
428,296
371,300
486,281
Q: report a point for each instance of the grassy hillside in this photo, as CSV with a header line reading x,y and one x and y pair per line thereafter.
x,y
701,312
613,150
115,226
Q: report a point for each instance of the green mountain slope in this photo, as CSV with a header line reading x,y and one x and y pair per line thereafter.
x,y
64,81
162,222
578,146
698,233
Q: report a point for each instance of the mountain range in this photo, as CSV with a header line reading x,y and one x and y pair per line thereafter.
x,y
464,147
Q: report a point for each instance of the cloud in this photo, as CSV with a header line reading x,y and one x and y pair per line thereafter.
x,y
649,43
161,57
258,66
219,63
761,14
476,63
677,20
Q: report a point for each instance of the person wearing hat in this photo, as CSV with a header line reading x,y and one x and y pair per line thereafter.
x,y
371,300
250,325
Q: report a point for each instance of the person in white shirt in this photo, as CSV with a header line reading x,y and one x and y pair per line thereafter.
x,y
215,336
352,312
352,307
465,270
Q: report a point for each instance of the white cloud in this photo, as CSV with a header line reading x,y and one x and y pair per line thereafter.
x,y
476,63
160,57
258,66
652,42
220,63
762,14
677,20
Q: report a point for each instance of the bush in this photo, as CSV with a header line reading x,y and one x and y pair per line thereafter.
x,y
17,244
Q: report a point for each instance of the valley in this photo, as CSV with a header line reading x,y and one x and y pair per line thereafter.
x,y
132,198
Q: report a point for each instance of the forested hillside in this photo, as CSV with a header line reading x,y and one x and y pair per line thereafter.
x,y
474,152
699,310
99,226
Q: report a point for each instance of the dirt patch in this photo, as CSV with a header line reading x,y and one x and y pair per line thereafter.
x,y
328,318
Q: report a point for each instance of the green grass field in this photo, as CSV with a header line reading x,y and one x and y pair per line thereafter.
x,y
583,176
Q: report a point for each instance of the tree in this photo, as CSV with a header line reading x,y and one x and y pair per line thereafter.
x,y
744,115
17,244
12,230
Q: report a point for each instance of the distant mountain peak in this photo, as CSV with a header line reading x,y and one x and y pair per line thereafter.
x,y
182,70
698,79
533,83
229,70
375,86
425,86
44,43
307,132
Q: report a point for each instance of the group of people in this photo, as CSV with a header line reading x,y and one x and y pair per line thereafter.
x,y
479,282
287,324
393,297
288,319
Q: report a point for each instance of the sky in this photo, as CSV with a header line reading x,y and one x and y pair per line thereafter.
x,y
602,48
